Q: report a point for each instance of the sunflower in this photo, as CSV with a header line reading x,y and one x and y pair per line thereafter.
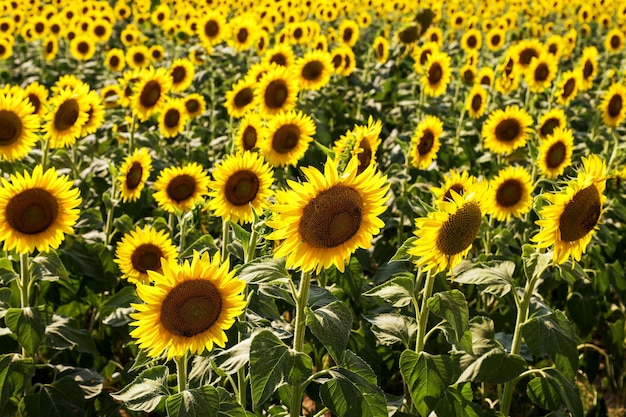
x,y
588,67
472,40
134,173
188,308
114,60
540,72
436,74
506,130
613,105
362,142
173,118
321,222
567,88
381,49
569,221
37,210
242,33
83,47
101,30
149,93
555,152
276,92
485,76
181,71
281,54
426,142
286,138
69,112
240,187
550,121
138,56
111,95
37,94
95,113
211,28
195,105
348,32
495,38
526,50
18,126
313,70
180,188
510,193
614,41
509,74
156,53
554,45
249,132
143,250
445,236
240,98
459,182
50,48
476,101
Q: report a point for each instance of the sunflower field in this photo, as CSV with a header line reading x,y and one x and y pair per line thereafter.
x,y
352,208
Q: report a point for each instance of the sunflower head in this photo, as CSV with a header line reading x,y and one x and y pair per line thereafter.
x,y
506,130
510,193
362,142
134,173
180,188
425,142
555,152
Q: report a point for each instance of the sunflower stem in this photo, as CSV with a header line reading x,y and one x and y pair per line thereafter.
x,y
44,153
225,231
182,225
422,319
181,372
110,211
131,136
298,337
24,286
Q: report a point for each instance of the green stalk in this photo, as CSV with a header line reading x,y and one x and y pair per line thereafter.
x,y
422,319
24,285
298,337
181,372
225,230
131,137
110,212
44,153
183,232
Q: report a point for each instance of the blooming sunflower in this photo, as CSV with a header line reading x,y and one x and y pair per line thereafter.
x,y
613,105
18,126
280,54
569,221
249,131
156,53
421,55
172,118
38,96
240,187
426,142
95,113
381,49
445,236
526,50
510,193
211,27
495,38
567,88
459,182
362,142
180,188
541,72
134,173
588,67
551,120
144,250
313,70
555,152
614,41
437,74
83,47
506,130
189,307
149,93
286,138
195,105
240,98
348,32
321,222
485,76
181,71
69,112
471,40
37,210
476,101
277,91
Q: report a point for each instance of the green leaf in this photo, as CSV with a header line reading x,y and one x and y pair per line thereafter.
x,y
454,404
146,391
89,381
390,328
62,333
427,377
554,390
203,243
48,266
495,366
121,299
123,224
199,402
398,292
552,334
331,325
534,262
452,307
273,364
229,406
15,371
5,300
266,271
7,273
402,253
241,234
62,398
232,359
29,325
495,280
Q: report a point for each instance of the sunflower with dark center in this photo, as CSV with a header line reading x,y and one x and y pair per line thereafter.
x,y
313,70
137,56
362,141
37,210
437,74
381,49
82,47
150,92
276,92
555,152
142,250
526,50
348,32
241,187
472,40
182,72
614,41
476,101
567,88
18,126
510,193
134,173
286,138
195,105
321,222
178,189
189,308
95,114
613,105
281,55
588,67
551,120
240,98
422,54
541,72
210,28
173,118
569,221
249,132
459,182
425,142
495,39
506,130
115,60
445,236
64,123
37,94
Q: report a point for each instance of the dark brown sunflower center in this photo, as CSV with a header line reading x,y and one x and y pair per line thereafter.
x,y
276,94
457,188
568,88
380,50
172,118
139,58
99,30
191,308
49,47
580,215
435,72
83,47
242,187
485,80
178,74
615,106
114,61
40,27
495,40
459,231
556,155
244,97
156,54
10,127
549,125
409,35
587,69
298,33
542,72
337,61
34,100
66,115
468,75
32,211
477,102
249,138
424,56
527,55
211,28
134,175
472,42
332,218
365,156
347,35
150,94
615,42
508,130
146,257
181,188
509,193
286,138
192,105
312,71
426,142
242,35
279,59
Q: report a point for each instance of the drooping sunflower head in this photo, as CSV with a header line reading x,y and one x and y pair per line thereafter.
x,y
550,121
143,250
37,210
569,221
286,138
313,70
510,193
18,126
425,142
180,188
249,132
189,308
134,173
506,130
613,105
555,152
460,182
322,221
362,142
181,71
150,92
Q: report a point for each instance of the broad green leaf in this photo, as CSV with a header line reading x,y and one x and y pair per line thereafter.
x,y
534,262
89,381
48,266
398,292
390,328
464,344
495,366
7,273
267,271
402,253
241,234
233,358
62,333
554,390
146,391
353,363
454,404
552,334
5,300
452,307
123,224
15,371
62,398
229,405
273,364
29,325
331,325
496,280
203,243
121,299
200,402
